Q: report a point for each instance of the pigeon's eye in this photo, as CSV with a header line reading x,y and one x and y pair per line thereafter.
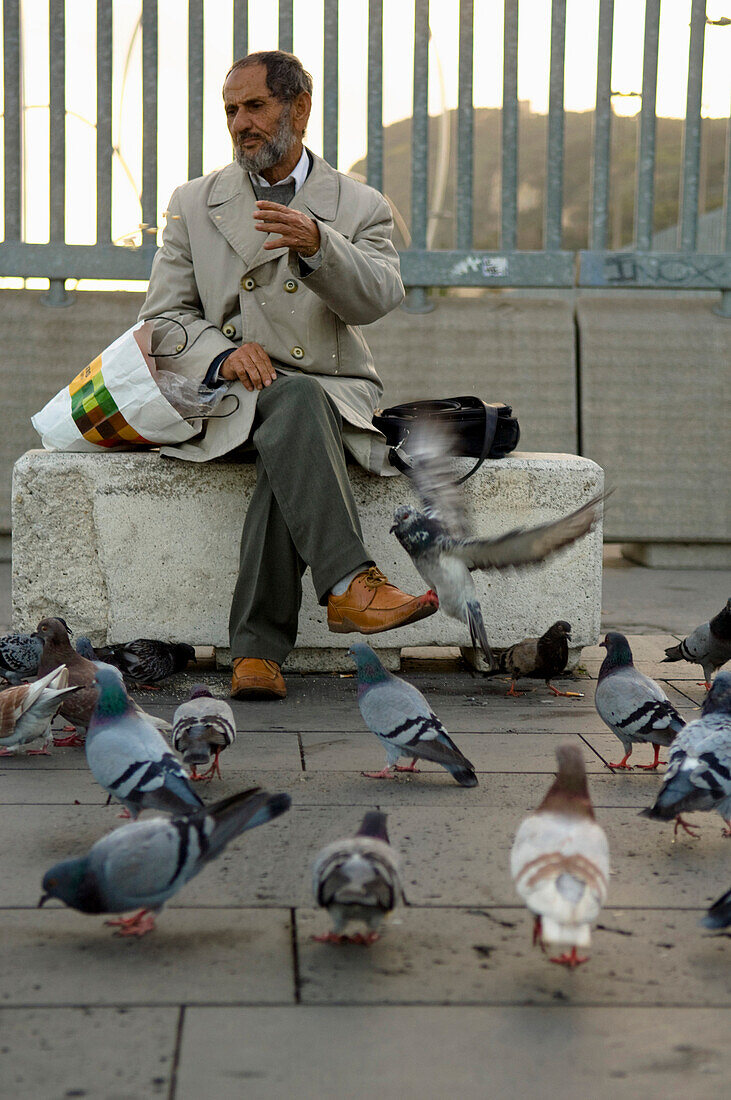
x,y
52,882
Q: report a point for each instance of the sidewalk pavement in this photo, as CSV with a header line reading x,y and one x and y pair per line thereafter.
x,y
230,996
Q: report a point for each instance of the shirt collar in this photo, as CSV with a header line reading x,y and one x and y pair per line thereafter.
x,y
298,174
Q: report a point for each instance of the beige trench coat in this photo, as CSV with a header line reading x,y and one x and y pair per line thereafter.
x,y
213,276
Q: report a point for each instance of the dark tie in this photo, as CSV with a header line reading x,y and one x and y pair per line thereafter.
x,y
280,192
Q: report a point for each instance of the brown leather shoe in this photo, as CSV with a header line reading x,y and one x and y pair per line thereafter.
x,y
370,604
257,679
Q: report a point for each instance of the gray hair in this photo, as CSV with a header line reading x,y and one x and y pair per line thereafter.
x,y
286,77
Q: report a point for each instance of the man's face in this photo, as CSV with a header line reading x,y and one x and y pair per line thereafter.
x,y
260,125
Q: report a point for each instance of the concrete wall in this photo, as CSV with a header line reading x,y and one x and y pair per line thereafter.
x,y
652,381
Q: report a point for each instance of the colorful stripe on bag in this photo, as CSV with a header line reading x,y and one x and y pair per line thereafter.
x,y
95,411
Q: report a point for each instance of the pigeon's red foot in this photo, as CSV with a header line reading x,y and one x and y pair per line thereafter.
x,y
73,741
691,830
513,692
407,767
726,831
570,959
566,694
331,937
148,687
214,769
6,752
365,939
385,774
703,684
38,752
125,815
138,925
623,762
651,767
431,597
538,934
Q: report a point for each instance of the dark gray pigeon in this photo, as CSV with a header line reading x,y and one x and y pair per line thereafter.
x,y
146,661
698,775
357,879
145,863
719,914
202,728
85,649
443,552
20,655
708,646
129,758
538,658
632,705
403,721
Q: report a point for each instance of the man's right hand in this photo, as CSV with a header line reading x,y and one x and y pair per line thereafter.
x,y
251,365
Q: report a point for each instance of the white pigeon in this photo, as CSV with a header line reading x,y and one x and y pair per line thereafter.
x,y
560,862
27,711
357,879
203,727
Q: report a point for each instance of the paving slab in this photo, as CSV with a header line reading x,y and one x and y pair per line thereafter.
x,y
56,956
506,1052
88,1052
457,956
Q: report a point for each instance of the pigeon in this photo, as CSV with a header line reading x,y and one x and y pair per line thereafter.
x,y
357,879
146,862
26,711
709,645
719,915
85,649
698,775
202,727
147,661
401,718
560,861
77,708
539,658
632,705
129,758
19,656
444,553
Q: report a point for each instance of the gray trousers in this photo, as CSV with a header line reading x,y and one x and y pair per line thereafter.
x,y
302,513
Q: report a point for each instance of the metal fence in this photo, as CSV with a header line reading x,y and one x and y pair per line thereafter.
x,y
636,266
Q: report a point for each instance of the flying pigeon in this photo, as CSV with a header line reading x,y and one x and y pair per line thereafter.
x,y
202,727
146,661
560,861
538,658
26,711
709,645
632,705
401,718
719,915
129,758
357,879
146,862
439,545
77,708
19,656
698,775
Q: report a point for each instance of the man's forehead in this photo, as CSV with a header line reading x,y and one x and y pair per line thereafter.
x,y
248,83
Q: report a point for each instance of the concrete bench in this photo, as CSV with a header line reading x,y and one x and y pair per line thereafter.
x,y
127,545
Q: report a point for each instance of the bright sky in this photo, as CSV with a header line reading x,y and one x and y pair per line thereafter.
x,y
534,39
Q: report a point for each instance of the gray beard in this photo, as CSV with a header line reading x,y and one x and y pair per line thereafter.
x,y
272,151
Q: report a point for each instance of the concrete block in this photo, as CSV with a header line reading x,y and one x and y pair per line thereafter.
x,y
679,555
655,415
127,545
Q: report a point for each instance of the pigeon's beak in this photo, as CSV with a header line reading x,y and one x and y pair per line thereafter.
x,y
392,528
603,645
44,899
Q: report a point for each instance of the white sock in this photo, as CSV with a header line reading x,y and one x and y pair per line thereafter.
x,y
342,585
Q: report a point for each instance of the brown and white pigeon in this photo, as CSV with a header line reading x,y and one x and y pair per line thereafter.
x,y
203,727
538,658
560,862
357,879
709,645
26,711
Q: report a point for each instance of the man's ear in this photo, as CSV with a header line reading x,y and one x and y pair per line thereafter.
x,y
301,112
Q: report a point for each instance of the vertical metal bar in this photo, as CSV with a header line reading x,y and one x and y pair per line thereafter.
x,y
104,121
57,118
554,159
286,25
149,123
645,197
195,88
375,94
723,309
509,144
420,125
330,83
602,128
241,29
692,130
465,126
13,131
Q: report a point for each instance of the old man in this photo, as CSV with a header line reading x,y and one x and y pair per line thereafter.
x,y
268,266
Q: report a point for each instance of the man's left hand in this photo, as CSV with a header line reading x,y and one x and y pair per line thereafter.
x,y
296,230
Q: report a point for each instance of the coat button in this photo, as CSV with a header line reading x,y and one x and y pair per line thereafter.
x,y
248,283
290,286
297,352
229,330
